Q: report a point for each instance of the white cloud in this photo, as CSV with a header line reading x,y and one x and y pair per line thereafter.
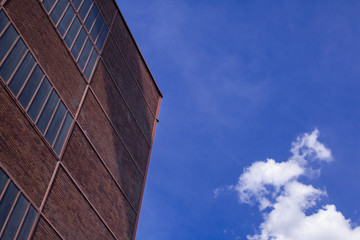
x,y
275,186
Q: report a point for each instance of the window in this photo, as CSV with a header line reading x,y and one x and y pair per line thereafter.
x,y
83,36
27,81
17,215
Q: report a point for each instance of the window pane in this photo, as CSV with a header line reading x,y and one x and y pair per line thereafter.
x,y
47,112
76,3
85,8
28,223
55,123
39,99
12,60
6,40
3,21
78,43
66,20
48,4
91,17
102,37
90,65
71,34
96,28
3,180
85,54
15,218
21,74
7,202
31,87
58,10
63,134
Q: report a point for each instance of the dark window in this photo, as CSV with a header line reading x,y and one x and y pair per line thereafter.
x,y
63,133
96,28
101,39
85,54
30,87
15,218
7,202
79,42
55,123
66,20
91,17
77,3
12,60
90,64
7,40
47,112
22,74
39,99
58,10
3,21
84,9
3,180
28,223
71,34
48,4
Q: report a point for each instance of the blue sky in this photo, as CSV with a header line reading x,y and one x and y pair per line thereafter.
x,y
241,81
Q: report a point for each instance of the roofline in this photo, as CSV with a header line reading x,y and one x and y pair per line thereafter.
x,y
137,47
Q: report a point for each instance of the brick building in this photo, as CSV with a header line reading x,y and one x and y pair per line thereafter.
x,y
78,112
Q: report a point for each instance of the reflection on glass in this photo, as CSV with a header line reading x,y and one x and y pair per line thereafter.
x,y
66,20
85,54
90,64
15,219
78,43
71,34
39,100
47,112
6,202
48,4
55,123
30,87
22,74
28,223
58,10
63,133
12,60
7,40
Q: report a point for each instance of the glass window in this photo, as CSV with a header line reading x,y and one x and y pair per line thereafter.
x,y
15,218
6,202
3,20
39,99
47,112
66,20
22,74
63,134
90,64
71,34
84,9
101,39
12,60
7,40
3,180
91,17
85,54
58,10
96,28
30,87
28,223
77,3
48,4
79,42
55,123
